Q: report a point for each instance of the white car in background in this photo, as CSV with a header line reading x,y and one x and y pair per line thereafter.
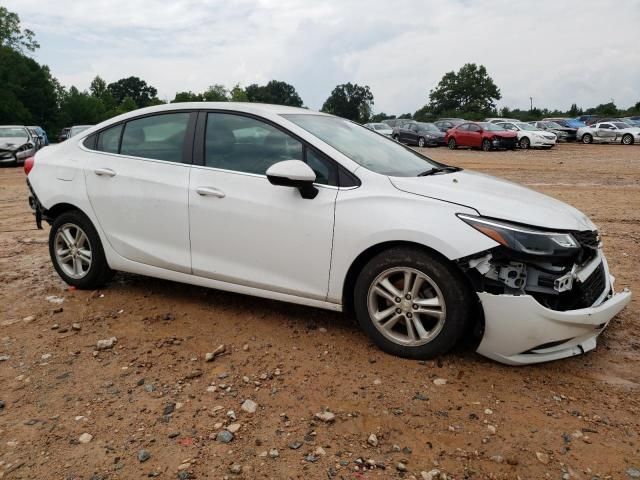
x,y
381,128
318,210
530,136
609,132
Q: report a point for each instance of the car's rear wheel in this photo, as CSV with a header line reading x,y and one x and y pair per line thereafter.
x,y
587,138
76,251
627,139
421,142
411,303
452,144
525,143
486,145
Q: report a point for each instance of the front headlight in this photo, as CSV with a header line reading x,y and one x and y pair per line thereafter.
x,y
527,240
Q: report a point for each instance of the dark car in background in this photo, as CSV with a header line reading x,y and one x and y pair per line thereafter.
x,y
41,135
564,134
445,124
420,134
566,122
484,135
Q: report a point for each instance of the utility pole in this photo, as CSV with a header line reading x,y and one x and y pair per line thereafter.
x,y
531,100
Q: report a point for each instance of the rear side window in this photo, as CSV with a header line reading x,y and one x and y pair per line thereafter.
x,y
109,139
158,137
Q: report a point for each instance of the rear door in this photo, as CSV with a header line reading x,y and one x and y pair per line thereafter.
x,y
137,177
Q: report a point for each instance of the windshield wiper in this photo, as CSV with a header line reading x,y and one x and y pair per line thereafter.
x,y
436,170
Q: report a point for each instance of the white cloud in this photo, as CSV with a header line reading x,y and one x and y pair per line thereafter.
x,y
575,51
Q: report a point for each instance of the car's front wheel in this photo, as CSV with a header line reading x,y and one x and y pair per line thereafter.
x,y
452,144
76,251
412,303
486,145
587,138
525,143
421,142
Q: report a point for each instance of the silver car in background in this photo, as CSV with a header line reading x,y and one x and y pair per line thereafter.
x,y
16,144
609,132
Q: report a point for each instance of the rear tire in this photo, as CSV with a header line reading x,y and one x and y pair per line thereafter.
x,y
486,145
627,139
76,251
452,144
412,303
587,138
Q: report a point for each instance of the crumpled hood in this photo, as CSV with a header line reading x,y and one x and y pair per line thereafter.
x,y
497,198
11,143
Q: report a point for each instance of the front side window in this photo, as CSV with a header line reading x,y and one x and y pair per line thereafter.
x,y
361,145
244,144
158,137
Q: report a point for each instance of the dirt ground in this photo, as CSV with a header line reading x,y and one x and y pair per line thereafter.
x,y
153,391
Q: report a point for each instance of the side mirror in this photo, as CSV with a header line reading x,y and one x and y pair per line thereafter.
x,y
30,145
296,174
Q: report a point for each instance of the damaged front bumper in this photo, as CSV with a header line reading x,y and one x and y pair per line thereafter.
x,y
524,325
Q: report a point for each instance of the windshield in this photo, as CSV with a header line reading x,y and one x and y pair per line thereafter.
x,y
528,126
491,127
13,133
366,148
428,127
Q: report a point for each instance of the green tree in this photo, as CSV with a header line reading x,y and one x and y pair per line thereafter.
x,y
137,89
275,92
351,101
12,34
608,109
574,111
187,97
216,93
238,94
27,91
470,90
81,108
378,117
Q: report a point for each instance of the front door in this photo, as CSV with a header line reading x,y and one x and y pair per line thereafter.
x,y
246,231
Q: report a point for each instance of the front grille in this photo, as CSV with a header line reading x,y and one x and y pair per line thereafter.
x,y
592,288
507,142
588,238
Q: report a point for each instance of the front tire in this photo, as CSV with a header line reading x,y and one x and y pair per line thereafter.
x,y
76,251
627,139
412,303
452,144
587,138
525,143
421,142
486,145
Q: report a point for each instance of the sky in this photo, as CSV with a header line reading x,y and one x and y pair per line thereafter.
x,y
557,51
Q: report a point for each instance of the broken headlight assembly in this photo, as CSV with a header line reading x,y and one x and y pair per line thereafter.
x,y
525,240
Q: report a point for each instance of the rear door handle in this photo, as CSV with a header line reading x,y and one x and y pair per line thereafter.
x,y
209,192
104,172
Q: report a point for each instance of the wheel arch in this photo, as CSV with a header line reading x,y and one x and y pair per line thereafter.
x,y
475,327
59,208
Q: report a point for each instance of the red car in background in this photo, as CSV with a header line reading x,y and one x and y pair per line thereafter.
x,y
484,135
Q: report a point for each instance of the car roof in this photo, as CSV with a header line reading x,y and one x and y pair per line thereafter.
x,y
12,126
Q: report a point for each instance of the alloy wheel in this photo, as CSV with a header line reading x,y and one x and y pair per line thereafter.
x,y
72,250
406,306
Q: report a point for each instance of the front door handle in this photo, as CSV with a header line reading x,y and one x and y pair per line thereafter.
x,y
104,172
209,192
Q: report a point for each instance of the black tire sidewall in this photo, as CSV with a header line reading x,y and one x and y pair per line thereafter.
x,y
526,143
587,138
485,142
627,135
99,272
452,144
457,297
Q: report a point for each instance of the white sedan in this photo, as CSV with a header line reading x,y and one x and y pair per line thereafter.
x,y
381,128
609,132
300,206
530,136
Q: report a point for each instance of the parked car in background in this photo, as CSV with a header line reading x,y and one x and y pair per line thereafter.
x,y
16,144
566,122
589,119
64,134
484,135
76,129
445,124
609,132
41,134
320,211
397,122
381,128
499,120
564,134
420,134
632,121
530,136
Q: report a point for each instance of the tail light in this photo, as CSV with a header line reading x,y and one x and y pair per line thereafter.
x,y
28,164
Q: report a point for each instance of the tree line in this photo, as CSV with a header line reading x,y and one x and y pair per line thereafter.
x,y
31,95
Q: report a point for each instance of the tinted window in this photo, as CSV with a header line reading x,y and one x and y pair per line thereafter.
x,y
473,127
243,144
160,137
326,171
109,139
